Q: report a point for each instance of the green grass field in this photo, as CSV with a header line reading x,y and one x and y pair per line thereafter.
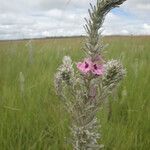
x,y
33,118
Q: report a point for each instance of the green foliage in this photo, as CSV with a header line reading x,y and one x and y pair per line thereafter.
x,y
36,119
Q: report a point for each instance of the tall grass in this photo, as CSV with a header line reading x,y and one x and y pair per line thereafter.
x,y
33,118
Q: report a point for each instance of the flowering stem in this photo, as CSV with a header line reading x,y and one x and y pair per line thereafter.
x,y
84,94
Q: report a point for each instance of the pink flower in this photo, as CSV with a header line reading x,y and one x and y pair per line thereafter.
x,y
90,67
97,69
85,66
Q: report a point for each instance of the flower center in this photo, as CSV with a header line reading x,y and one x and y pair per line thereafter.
x,y
86,65
95,67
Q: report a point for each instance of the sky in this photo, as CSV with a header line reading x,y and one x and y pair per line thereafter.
x,y
21,19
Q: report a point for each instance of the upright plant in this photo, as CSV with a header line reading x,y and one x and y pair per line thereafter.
x,y
84,91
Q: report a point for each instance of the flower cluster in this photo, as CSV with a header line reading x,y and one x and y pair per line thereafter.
x,y
89,66
65,74
114,73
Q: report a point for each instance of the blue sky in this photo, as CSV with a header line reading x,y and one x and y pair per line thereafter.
x,y
124,13
42,18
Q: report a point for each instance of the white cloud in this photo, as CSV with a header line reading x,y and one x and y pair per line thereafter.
x,y
40,18
146,26
115,24
140,8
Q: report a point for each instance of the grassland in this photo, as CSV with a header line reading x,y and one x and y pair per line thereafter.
x,y
33,118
